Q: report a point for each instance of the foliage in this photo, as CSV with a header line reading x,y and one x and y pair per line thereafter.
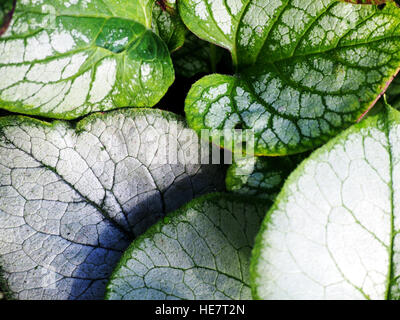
x,y
333,231
105,190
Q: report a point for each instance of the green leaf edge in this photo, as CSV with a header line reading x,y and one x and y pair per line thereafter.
x,y
80,126
195,120
232,181
72,115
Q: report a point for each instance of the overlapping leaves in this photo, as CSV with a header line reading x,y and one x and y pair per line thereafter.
x,y
168,24
71,199
305,69
261,176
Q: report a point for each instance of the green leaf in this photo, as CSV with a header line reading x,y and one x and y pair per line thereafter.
x,y
394,89
333,231
305,69
201,251
168,25
73,198
261,176
67,59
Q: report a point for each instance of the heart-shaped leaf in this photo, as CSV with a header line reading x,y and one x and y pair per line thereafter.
x,y
261,176
72,199
333,231
305,69
66,59
201,251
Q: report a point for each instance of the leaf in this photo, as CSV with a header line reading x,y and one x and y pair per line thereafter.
x,y
67,59
261,176
394,89
333,231
72,199
168,25
196,56
201,251
305,69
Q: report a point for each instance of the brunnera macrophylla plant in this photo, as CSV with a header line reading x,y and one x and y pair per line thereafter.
x,y
304,69
92,205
